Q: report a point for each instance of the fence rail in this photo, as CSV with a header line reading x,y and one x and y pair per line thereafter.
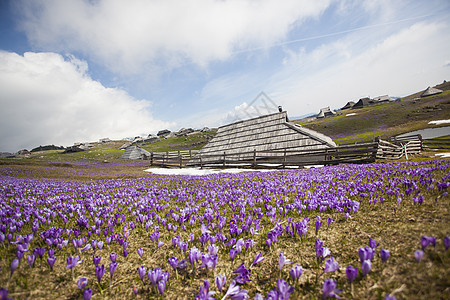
x,y
359,153
395,148
436,144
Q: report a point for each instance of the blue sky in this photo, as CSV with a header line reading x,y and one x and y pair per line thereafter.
x,y
75,71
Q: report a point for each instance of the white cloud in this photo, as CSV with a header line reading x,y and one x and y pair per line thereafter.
x,y
46,99
400,64
128,35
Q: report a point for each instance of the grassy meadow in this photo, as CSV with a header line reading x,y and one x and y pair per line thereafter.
x,y
89,225
199,228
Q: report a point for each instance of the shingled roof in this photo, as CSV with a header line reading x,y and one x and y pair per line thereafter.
x,y
430,91
134,152
266,133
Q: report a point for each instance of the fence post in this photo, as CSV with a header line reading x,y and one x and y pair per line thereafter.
x,y
284,159
254,157
168,158
181,160
201,165
224,158
421,141
151,158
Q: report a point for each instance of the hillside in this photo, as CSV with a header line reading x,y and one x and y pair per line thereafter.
x,y
385,120
348,126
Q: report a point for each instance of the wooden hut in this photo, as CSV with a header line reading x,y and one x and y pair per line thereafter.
x,y
363,102
326,112
270,135
348,105
430,91
135,152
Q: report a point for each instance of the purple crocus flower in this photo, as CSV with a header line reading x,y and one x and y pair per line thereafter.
x,y
318,223
296,272
373,243
257,259
161,286
82,282
113,256
173,262
330,220
87,294
87,247
194,255
99,272
330,265
365,267
284,289
419,255
96,260
4,294
213,249
447,242
321,252
140,252
205,293
39,252
427,240
282,260
329,289
112,269
51,261
243,274
220,281
14,265
160,243
233,253
389,297
384,254
233,289
351,273
142,271
365,253
209,261
73,261
258,297
155,275
30,260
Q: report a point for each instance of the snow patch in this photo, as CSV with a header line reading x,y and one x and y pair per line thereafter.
x,y
352,114
200,172
439,122
443,155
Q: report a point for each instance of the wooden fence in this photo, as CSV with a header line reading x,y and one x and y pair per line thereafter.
x,y
172,158
436,144
358,153
395,148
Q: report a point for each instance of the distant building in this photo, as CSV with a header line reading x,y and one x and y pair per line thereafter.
x,y
363,102
163,132
326,112
384,98
104,141
430,91
135,152
348,105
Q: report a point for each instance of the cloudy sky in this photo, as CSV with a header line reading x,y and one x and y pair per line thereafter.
x,y
75,71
